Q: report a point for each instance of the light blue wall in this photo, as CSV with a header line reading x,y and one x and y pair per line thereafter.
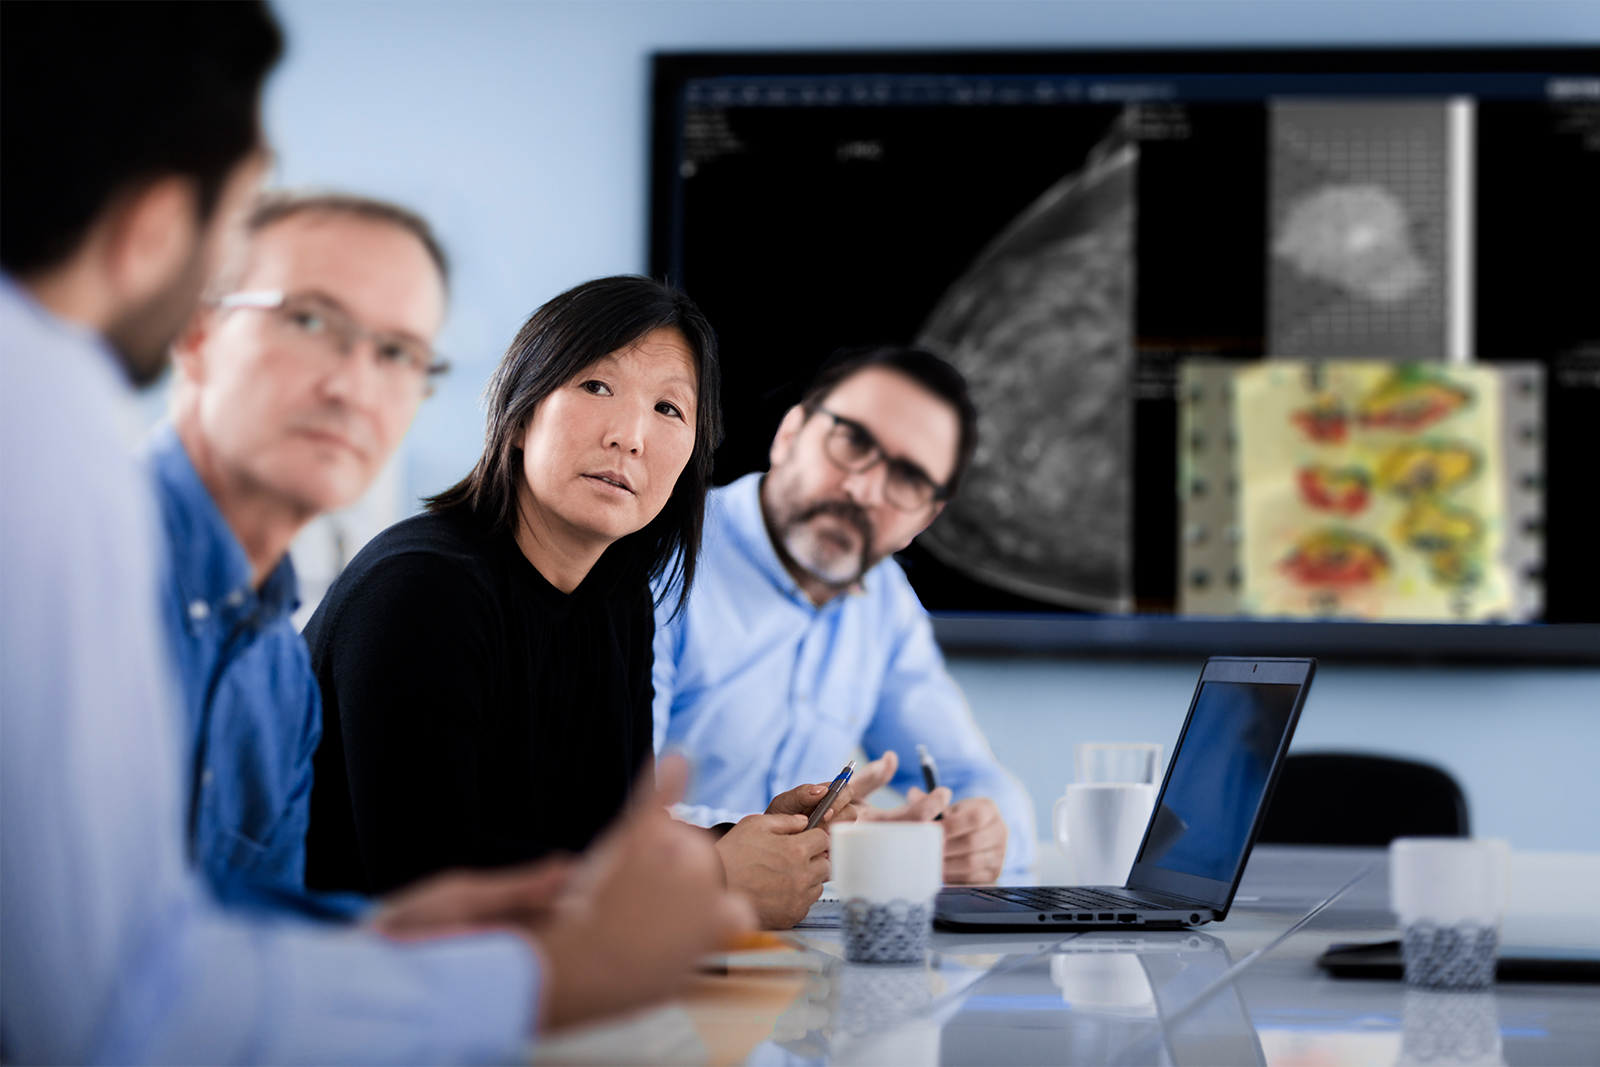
x,y
1522,742
521,131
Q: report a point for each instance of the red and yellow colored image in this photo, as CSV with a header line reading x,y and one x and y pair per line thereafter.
x,y
1341,490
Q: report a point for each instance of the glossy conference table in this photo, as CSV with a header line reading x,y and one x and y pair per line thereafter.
x,y
1154,998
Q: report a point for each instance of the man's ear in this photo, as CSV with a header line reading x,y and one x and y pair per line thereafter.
x,y
151,237
783,440
188,351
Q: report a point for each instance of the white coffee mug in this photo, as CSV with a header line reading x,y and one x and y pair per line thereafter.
x,y
1449,894
1099,826
887,874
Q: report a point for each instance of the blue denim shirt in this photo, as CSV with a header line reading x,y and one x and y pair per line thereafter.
x,y
253,712
763,690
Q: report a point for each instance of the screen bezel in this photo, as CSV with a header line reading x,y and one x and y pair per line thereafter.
x,y
1152,634
1212,892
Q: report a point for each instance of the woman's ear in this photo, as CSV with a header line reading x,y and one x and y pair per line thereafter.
x,y
788,431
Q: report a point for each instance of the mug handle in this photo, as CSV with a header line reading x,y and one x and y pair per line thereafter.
x,y
1058,823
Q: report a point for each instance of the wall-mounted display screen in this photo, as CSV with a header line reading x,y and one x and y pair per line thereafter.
x,y
1255,337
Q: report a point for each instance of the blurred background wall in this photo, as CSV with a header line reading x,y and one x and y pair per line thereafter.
x,y
521,131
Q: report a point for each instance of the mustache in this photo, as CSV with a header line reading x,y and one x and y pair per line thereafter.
x,y
847,510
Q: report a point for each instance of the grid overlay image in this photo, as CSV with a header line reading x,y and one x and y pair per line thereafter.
x,y
1359,230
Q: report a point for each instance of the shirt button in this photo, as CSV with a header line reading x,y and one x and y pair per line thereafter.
x,y
236,598
199,609
205,779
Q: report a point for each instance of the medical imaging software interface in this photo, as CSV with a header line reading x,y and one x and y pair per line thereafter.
x,y
1320,341
1215,789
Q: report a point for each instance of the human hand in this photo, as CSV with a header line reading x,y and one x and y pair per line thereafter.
x,y
875,775
974,842
802,799
919,807
458,902
646,902
777,864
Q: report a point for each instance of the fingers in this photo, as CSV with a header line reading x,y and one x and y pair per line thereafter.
x,y
671,779
978,868
969,816
922,807
975,842
475,900
875,775
847,796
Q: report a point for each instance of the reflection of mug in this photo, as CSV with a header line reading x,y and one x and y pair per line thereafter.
x,y
1111,982
1099,826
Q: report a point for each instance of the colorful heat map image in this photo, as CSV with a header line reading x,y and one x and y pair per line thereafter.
x,y
1371,490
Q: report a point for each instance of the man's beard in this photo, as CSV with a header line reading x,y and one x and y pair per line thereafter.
x,y
825,558
143,336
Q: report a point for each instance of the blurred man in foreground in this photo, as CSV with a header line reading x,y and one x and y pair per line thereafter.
x,y
130,144
295,384
802,639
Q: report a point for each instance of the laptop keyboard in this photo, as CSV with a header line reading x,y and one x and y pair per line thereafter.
x,y
1055,898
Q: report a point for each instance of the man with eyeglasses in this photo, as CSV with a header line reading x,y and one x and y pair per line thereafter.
x,y
294,384
801,639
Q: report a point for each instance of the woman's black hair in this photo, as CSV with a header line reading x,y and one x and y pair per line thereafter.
x,y
561,340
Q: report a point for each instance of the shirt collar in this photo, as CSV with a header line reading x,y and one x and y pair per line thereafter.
x,y
210,567
742,499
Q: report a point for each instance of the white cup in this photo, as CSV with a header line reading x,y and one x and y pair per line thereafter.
x,y
1449,894
1098,827
887,874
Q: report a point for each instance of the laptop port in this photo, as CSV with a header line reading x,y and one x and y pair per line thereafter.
x,y
1106,916
1060,918
1126,917
1086,918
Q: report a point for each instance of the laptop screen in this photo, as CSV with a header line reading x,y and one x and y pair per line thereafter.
x,y
1219,773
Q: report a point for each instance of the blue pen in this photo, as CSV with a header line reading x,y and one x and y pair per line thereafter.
x,y
833,794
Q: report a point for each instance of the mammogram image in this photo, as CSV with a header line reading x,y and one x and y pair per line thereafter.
x,y
1041,325
1358,230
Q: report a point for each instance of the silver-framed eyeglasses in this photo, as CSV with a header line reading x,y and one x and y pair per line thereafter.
x,y
851,447
318,327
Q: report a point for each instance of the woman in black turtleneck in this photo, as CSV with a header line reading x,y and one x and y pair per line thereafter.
x,y
485,667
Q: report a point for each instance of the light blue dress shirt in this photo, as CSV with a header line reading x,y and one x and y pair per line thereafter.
x,y
764,691
253,711
112,948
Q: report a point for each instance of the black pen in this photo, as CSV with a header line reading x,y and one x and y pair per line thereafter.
x,y
833,794
930,773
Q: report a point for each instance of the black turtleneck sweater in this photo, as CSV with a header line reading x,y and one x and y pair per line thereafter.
x,y
473,714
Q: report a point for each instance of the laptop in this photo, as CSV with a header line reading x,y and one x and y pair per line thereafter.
x,y
1206,818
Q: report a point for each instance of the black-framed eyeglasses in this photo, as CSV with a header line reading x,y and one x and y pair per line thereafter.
x,y
851,447
320,328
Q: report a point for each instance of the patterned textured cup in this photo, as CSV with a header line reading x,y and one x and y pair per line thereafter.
x,y
887,874
1455,1028
1449,894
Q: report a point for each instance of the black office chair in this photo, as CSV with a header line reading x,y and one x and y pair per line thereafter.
x,y
1343,798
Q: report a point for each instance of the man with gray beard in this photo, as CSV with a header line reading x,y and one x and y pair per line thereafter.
x,y
801,640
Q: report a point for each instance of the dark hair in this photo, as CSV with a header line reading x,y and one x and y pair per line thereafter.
x,y
98,98
281,204
922,367
560,341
